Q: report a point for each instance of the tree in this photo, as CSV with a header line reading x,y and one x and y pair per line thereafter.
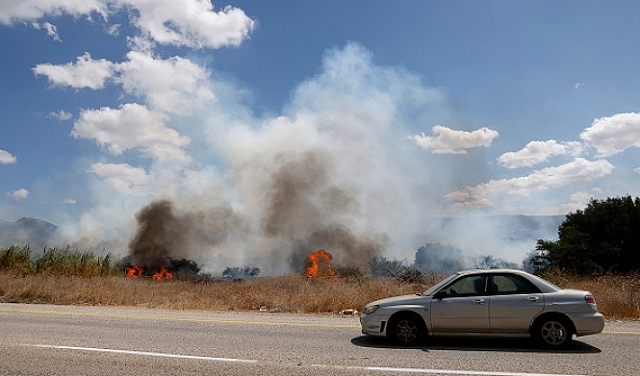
x,y
490,262
439,258
604,237
382,267
535,261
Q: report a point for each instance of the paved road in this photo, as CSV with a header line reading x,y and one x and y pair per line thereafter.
x,y
63,340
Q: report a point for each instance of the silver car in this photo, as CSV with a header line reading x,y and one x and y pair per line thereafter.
x,y
493,302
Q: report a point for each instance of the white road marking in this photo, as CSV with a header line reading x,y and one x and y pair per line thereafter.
x,y
147,353
359,368
460,372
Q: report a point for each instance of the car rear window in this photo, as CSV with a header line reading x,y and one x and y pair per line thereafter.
x,y
507,284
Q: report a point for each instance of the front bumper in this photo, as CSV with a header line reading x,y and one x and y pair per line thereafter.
x,y
374,325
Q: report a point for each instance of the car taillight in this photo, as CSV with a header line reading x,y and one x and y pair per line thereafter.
x,y
590,300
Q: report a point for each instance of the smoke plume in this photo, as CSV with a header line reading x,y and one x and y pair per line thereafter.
x,y
303,211
334,171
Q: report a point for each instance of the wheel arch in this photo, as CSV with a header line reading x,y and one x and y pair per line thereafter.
x,y
553,315
407,313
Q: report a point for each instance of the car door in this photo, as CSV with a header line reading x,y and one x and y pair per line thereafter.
x,y
514,303
461,307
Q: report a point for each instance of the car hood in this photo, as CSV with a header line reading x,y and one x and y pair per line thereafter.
x,y
402,299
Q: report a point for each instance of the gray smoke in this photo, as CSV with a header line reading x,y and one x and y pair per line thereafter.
x,y
332,170
303,209
305,206
162,234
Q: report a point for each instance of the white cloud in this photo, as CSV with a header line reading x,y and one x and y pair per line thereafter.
x,y
613,134
123,177
113,30
51,29
191,23
184,84
60,115
450,141
69,201
487,194
539,151
131,126
18,10
18,195
577,201
7,158
85,73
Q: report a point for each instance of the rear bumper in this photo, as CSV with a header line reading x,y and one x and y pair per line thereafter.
x,y
588,323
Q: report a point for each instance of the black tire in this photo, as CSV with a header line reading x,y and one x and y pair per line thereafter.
x,y
406,329
553,332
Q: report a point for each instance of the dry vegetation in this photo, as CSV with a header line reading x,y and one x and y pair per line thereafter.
x,y
618,297
66,277
280,294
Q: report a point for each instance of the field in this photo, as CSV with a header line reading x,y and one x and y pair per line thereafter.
x,y
72,278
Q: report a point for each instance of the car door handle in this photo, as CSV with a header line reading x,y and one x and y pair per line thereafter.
x,y
478,301
533,299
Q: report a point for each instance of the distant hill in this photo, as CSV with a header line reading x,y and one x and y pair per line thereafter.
x,y
522,227
38,233
514,227
33,232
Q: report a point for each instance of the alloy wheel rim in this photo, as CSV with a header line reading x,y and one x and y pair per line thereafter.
x,y
407,331
554,333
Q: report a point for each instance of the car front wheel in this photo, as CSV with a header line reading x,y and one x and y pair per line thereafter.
x,y
406,330
553,332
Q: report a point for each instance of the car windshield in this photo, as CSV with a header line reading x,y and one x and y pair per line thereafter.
x,y
439,285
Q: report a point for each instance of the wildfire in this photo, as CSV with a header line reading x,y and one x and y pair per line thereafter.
x,y
162,274
320,264
136,271
133,271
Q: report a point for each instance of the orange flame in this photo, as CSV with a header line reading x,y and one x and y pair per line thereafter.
x,y
162,274
133,271
320,264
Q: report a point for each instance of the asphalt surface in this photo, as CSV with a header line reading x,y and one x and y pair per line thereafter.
x,y
71,340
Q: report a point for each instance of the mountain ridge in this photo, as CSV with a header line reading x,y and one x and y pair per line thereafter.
x,y
26,231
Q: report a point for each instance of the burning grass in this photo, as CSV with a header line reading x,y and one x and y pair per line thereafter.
x,y
76,278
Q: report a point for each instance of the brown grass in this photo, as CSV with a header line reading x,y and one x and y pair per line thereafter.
x,y
281,294
618,297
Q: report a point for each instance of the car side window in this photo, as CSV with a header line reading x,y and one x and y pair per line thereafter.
x,y
508,284
467,286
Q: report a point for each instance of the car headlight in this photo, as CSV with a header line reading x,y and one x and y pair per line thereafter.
x,y
370,309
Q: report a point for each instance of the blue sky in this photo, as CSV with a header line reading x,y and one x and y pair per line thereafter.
x,y
414,110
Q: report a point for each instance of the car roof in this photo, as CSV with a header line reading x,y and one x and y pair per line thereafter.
x,y
496,270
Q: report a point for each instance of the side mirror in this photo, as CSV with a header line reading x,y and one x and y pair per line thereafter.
x,y
440,294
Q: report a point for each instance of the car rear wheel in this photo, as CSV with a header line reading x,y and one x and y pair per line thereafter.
x,y
406,329
553,332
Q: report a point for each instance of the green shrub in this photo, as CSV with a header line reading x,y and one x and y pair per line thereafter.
x,y
53,261
15,260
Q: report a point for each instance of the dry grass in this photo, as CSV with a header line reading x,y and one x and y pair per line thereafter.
x,y
618,297
282,294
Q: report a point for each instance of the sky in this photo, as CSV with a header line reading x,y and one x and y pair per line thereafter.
x,y
274,122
